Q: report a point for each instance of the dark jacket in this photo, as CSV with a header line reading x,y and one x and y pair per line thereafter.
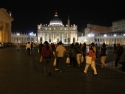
x,y
119,50
77,50
103,51
72,53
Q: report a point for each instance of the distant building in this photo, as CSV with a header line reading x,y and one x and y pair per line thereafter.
x,y
101,34
23,38
118,26
56,31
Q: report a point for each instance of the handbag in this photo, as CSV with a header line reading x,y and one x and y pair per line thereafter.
x,y
68,60
38,50
54,63
41,58
82,59
88,60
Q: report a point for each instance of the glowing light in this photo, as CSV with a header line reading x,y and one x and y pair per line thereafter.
x,y
105,35
115,35
18,34
91,35
32,34
55,40
85,40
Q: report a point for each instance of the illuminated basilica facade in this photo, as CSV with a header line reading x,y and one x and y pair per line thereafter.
x,y
56,31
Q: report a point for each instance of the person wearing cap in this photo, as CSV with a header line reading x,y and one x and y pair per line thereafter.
x,y
60,51
46,55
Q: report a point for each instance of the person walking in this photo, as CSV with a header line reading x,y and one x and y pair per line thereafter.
x,y
122,60
46,56
72,56
91,54
60,51
95,51
114,50
118,53
18,47
84,50
28,46
78,53
40,47
103,55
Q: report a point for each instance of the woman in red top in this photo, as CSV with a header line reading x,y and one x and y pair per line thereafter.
x,y
46,55
91,54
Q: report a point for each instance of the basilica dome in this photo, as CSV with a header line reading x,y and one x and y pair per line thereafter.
x,y
56,20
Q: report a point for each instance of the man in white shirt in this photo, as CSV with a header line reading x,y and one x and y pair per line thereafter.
x,y
60,51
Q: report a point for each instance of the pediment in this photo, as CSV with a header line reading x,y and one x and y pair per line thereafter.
x,y
5,15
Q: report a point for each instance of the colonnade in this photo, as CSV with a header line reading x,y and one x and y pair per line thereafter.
x,y
5,32
55,37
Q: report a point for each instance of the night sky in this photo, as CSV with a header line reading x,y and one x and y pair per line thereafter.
x,y
27,14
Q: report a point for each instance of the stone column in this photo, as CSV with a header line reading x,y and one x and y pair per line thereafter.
x,y
1,31
4,30
62,38
53,36
9,32
43,37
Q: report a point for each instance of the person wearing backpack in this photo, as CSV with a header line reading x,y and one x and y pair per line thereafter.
x,y
118,53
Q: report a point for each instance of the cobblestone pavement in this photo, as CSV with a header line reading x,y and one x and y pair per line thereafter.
x,y
23,74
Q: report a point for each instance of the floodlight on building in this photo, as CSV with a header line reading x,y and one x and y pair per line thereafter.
x,y
18,34
32,34
91,35
105,35
85,40
115,35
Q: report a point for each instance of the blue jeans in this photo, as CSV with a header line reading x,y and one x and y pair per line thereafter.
x,y
59,63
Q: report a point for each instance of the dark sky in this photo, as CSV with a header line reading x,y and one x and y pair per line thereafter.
x,y
28,14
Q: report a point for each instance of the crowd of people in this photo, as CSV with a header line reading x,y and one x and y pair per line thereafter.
x,y
74,53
